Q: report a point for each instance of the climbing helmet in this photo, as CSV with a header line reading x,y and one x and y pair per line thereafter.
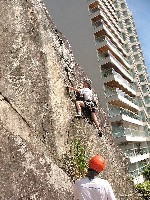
x,y
97,163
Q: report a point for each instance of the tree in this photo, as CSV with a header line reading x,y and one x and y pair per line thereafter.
x,y
144,188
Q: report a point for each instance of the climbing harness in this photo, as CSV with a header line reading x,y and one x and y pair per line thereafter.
x,y
91,105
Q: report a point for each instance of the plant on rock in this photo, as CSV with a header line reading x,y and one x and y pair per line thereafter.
x,y
144,188
75,161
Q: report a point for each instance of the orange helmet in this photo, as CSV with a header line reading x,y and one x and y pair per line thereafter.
x,y
97,163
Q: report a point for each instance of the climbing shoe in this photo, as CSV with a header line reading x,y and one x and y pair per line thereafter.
x,y
78,115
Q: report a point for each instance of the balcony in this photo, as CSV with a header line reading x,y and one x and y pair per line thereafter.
x,y
143,82
111,5
107,9
138,62
117,114
114,96
111,91
146,93
141,72
112,10
136,155
113,111
97,14
121,131
136,152
100,28
147,100
107,45
122,134
136,173
113,79
111,17
145,90
109,61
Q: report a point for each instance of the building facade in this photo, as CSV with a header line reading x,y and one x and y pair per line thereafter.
x,y
122,81
125,80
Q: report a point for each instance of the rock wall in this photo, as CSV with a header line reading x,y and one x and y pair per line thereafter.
x,y
36,111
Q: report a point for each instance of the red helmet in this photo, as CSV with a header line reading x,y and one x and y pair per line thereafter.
x,y
97,163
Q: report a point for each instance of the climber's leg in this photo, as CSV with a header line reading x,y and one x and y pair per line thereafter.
x,y
94,117
79,105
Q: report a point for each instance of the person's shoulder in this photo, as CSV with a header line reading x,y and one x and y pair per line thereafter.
x,y
82,180
104,181
87,89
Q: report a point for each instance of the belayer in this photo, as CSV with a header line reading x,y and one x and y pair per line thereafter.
x,y
86,102
91,187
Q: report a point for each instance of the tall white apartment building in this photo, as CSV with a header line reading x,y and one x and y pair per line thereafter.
x,y
118,71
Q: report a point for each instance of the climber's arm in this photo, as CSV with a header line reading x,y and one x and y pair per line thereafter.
x,y
75,89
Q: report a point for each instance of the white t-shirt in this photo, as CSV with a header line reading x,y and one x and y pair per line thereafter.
x,y
87,93
96,189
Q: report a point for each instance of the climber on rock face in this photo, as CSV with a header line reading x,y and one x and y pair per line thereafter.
x,y
86,102
91,187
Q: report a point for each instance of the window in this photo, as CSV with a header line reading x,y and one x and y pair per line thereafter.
x,y
142,79
118,14
129,30
127,21
123,5
136,58
148,110
126,47
144,88
130,60
132,39
125,13
134,48
121,25
139,68
147,99
124,36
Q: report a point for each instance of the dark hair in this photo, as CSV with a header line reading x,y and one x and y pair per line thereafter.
x,y
89,86
89,82
91,173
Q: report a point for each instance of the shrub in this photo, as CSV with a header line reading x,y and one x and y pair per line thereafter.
x,y
144,189
146,172
75,161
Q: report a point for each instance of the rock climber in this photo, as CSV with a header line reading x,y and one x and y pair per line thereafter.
x,y
86,102
91,187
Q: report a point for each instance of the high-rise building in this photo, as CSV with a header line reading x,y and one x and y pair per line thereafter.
x,y
122,81
125,79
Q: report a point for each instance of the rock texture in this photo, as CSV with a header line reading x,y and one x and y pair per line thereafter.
x,y
36,111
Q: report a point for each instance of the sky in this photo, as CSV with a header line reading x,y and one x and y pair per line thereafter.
x,y
141,14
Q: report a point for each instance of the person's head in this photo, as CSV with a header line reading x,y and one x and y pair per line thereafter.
x,y
87,83
96,165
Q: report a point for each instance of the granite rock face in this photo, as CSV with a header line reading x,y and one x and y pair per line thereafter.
x,y
26,173
36,111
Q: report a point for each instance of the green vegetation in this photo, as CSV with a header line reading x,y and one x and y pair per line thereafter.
x,y
75,162
144,188
146,172
80,158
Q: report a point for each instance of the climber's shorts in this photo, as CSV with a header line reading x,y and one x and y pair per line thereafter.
x,y
90,105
